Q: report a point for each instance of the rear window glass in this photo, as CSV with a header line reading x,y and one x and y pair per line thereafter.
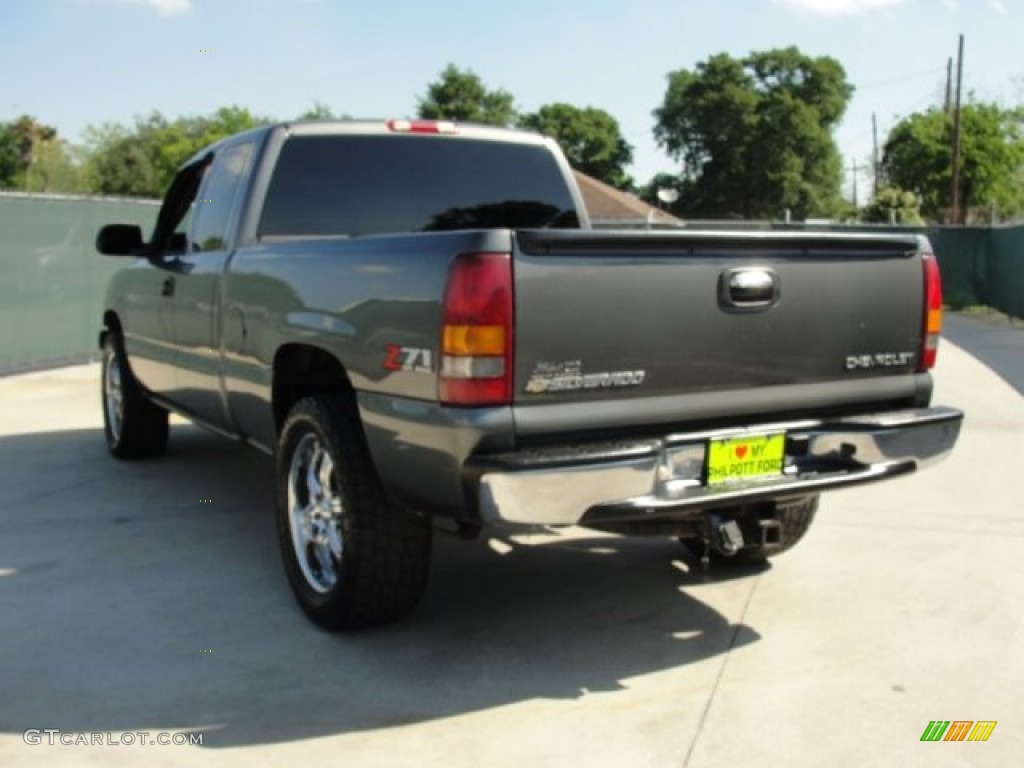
x,y
362,185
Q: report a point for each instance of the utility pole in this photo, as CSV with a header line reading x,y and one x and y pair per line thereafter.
x,y
949,85
874,153
856,169
956,134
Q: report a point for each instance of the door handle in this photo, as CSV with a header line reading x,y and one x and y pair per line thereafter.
x,y
167,288
748,288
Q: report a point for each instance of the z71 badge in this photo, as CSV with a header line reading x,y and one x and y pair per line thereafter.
x,y
569,377
411,359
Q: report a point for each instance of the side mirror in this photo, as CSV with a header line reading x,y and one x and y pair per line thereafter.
x,y
120,240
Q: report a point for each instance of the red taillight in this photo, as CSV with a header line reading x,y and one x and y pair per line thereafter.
x,y
423,126
932,323
476,334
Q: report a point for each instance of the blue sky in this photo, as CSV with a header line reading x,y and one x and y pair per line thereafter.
x,y
72,63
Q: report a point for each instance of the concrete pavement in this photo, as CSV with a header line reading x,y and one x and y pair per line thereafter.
x,y
993,339
149,597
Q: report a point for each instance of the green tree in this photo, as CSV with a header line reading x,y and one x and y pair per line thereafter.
x,y
892,205
21,141
461,95
918,155
121,162
754,135
141,161
179,140
10,157
319,111
56,168
590,138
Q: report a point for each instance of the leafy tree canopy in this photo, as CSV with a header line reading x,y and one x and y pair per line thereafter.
x,y
121,162
320,111
55,168
10,158
591,139
21,141
918,156
892,205
143,160
461,95
754,135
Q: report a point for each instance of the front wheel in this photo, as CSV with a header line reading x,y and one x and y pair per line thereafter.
x,y
352,556
134,427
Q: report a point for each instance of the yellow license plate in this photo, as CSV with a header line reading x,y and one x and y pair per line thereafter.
x,y
745,458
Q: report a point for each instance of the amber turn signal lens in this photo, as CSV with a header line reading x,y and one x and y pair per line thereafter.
x,y
465,340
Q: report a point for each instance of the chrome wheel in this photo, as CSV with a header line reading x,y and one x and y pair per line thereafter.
x,y
354,558
113,397
315,513
134,427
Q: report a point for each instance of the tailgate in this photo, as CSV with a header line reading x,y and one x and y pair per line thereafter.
x,y
790,320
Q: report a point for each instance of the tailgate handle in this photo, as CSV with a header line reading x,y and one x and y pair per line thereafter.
x,y
748,288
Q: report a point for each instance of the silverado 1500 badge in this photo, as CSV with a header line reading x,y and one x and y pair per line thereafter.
x,y
569,377
879,360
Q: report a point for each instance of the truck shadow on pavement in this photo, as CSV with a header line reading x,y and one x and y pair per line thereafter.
x,y
150,596
992,341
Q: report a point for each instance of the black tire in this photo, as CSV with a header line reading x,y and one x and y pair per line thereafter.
x,y
353,557
134,427
794,517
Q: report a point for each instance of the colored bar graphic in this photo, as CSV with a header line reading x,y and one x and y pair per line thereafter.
x,y
959,730
935,730
982,730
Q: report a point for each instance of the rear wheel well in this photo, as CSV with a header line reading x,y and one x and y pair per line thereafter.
x,y
300,371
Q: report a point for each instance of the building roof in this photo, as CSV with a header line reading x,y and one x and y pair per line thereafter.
x,y
608,204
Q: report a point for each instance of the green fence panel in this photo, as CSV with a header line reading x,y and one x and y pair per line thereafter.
x,y
52,280
981,266
962,253
1006,271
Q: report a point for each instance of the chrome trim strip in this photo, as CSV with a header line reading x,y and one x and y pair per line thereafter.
x,y
625,485
560,496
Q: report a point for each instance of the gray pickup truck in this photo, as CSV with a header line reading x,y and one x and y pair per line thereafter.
x,y
417,321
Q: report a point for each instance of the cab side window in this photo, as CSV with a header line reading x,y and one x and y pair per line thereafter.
x,y
175,215
218,193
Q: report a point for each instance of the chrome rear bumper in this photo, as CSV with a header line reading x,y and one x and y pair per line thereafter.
x,y
655,479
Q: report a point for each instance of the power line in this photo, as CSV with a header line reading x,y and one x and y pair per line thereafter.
x,y
901,79
886,126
